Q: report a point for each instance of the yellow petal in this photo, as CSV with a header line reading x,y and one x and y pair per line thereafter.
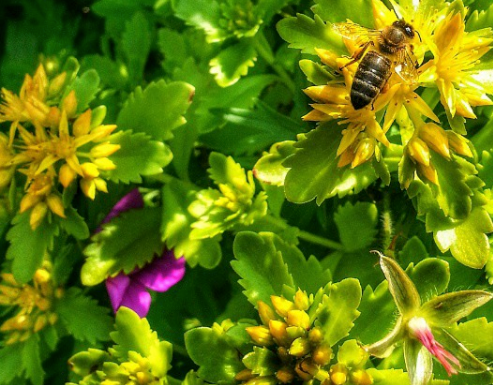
x,y
374,129
55,205
89,170
349,135
101,185
70,104
104,150
316,116
419,104
436,138
364,152
63,127
392,111
328,57
447,92
328,94
37,215
66,175
104,164
382,16
419,151
45,163
88,187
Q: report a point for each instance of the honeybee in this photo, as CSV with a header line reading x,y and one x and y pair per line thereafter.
x,y
381,52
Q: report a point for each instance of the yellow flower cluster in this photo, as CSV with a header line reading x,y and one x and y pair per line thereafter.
x,y
50,143
137,370
451,71
34,303
302,353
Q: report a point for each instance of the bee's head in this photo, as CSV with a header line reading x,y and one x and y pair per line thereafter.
x,y
406,28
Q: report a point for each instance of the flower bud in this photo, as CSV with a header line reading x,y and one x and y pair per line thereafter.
x,y
66,175
104,164
419,151
56,205
262,380
361,377
69,104
364,151
28,201
244,375
436,138
300,347
301,300
345,158
298,318
37,214
315,335
328,57
278,330
322,355
82,124
338,374
89,170
459,144
100,185
294,332
260,335
88,187
104,150
281,305
41,276
285,375
40,323
306,369
56,84
428,172
265,312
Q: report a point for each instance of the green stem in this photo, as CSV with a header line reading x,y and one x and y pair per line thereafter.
x,y
305,235
387,226
265,52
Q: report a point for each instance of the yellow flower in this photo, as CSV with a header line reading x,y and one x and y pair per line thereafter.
x,y
34,303
452,68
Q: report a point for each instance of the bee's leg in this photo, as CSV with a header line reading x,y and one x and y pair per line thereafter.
x,y
357,55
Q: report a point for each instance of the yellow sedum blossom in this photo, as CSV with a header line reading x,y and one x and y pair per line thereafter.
x,y
34,303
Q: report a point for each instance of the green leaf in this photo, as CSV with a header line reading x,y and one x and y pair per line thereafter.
x,y
316,73
337,311
446,309
388,376
486,168
261,361
107,69
218,361
10,359
413,252
138,156
203,14
313,168
480,19
83,363
86,87
431,277
260,265
31,361
233,62
27,247
477,335
269,168
352,354
468,241
157,110
357,225
84,319
74,224
136,45
176,228
302,32
359,11
123,246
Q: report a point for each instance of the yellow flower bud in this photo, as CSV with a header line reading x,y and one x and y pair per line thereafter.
x,y
315,335
70,104
53,118
436,138
428,172
285,375
300,347
328,57
41,276
144,378
294,332
361,377
52,318
301,300
244,375
419,151
338,374
306,369
13,338
103,131
37,215
262,380
346,158
40,323
101,185
104,164
56,205
278,330
459,144
298,318
88,187
322,355
104,150
89,170
260,335
281,305
363,152
66,175
29,201
56,84
265,312
82,124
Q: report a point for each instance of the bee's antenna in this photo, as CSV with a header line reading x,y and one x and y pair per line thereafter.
x,y
418,36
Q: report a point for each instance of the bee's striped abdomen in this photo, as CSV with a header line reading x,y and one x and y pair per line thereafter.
x,y
371,76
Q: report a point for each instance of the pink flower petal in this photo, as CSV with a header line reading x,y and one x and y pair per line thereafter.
x,y
162,273
137,298
117,287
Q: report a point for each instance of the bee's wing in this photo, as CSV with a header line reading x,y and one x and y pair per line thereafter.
x,y
355,31
407,67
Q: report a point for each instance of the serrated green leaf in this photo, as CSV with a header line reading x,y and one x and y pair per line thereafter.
x,y
108,70
10,358
83,317
359,11
357,225
413,252
261,361
175,228
157,110
486,168
138,156
218,362
480,19
337,311
27,247
431,277
269,168
313,168
136,44
86,87
468,242
74,224
260,265
315,73
31,360
477,335
302,32
233,62
122,246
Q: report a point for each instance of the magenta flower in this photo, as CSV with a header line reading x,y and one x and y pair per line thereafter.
x,y
422,332
131,290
